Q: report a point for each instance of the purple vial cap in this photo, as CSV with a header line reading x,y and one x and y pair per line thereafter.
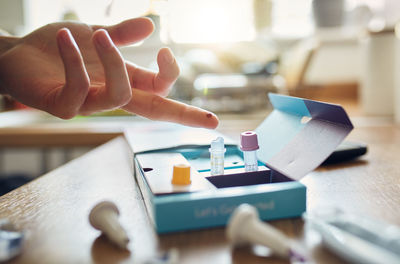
x,y
248,141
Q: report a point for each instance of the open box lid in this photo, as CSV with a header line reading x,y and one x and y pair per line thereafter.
x,y
294,139
300,134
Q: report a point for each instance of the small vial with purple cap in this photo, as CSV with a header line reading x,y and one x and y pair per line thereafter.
x,y
249,146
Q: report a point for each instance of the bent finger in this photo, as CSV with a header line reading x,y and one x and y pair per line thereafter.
x,y
117,90
129,31
168,71
158,108
157,83
72,95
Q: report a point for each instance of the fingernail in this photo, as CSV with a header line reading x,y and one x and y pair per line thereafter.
x,y
103,40
67,39
168,57
65,36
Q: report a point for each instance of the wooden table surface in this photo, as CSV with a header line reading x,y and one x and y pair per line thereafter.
x,y
53,209
32,128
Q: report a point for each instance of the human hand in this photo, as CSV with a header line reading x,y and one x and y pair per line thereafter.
x,y
72,68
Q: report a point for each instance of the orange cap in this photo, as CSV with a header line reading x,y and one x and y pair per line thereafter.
x,y
181,174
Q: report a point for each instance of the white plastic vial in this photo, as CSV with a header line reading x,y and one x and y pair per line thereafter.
x,y
250,160
217,152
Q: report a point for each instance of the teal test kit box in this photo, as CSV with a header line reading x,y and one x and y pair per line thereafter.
x,y
294,139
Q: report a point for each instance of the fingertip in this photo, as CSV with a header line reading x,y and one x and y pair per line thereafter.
x,y
64,35
212,120
66,42
147,23
165,54
63,30
99,32
102,38
200,118
168,66
130,31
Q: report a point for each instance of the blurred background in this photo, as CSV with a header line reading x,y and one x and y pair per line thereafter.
x,y
232,53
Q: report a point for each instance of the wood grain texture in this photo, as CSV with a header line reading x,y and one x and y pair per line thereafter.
x,y
61,137
33,128
53,209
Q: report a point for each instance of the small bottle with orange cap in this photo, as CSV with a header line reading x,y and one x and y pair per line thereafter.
x,y
181,174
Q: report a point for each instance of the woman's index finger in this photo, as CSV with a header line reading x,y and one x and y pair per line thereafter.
x,y
159,108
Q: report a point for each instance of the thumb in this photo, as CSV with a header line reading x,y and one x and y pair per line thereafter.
x,y
129,31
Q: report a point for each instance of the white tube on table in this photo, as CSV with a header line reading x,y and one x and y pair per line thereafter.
x,y
217,151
